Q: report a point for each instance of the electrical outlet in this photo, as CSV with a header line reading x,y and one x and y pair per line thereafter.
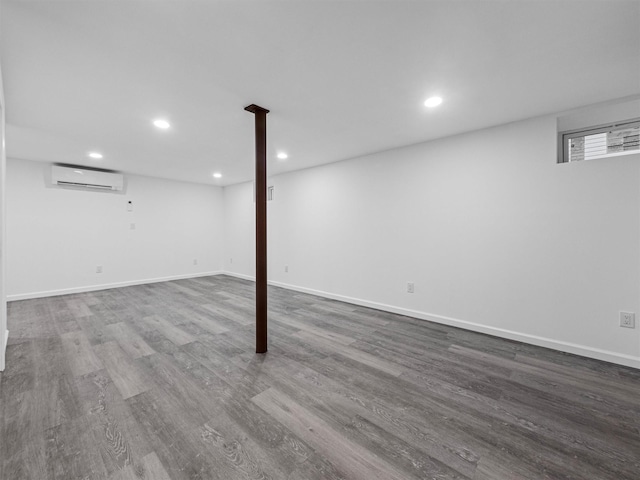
x,y
286,269
410,288
99,269
195,261
132,226
628,319
231,260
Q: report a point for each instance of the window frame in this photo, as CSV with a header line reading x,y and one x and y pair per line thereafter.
x,y
563,145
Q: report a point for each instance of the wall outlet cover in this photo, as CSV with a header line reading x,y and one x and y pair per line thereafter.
x,y
628,319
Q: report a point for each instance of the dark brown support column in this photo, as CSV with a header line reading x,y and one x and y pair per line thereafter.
x,y
261,226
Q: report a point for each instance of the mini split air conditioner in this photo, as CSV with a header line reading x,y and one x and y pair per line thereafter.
x,y
80,177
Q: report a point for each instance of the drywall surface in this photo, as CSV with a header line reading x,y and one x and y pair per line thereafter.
x,y
495,235
3,298
607,113
57,237
240,230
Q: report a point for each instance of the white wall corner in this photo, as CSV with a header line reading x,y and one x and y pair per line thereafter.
x,y
251,278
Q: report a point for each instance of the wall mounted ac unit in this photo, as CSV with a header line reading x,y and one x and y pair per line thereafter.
x,y
81,177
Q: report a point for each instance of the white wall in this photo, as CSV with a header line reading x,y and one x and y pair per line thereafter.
x,y
496,236
239,230
56,237
3,299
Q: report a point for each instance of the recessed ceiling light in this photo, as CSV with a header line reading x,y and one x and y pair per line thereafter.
x,y
217,175
163,124
282,156
95,155
433,102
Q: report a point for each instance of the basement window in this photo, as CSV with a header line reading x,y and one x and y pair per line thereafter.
x,y
613,140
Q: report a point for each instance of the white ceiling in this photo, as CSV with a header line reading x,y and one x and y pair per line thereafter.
x,y
341,78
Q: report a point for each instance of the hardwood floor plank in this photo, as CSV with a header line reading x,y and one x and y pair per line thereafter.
x,y
370,423
22,376
67,453
316,468
170,331
604,382
207,322
171,437
213,450
116,435
307,327
161,381
347,314
356,462
21,423
96,328
372,361
78,307
28,319
222,311
125,373
63,317
31,465
241,453
79,353
278,442
239,382
181,392
151,468
129,340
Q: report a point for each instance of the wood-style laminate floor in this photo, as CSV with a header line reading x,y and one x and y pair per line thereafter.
x,y
159,382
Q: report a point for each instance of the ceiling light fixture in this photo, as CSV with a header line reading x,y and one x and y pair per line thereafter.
x,y
282,156
217,175
432,102
95,155
163,124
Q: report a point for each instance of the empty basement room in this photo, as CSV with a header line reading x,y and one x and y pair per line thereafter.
x,y
440,202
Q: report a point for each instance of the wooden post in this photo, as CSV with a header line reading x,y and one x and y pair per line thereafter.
x,y
261,226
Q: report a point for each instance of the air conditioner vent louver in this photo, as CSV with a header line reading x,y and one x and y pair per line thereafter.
x,y
81,177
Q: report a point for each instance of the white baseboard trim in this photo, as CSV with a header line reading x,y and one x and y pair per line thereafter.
x,y
106,286
5,341
576,349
